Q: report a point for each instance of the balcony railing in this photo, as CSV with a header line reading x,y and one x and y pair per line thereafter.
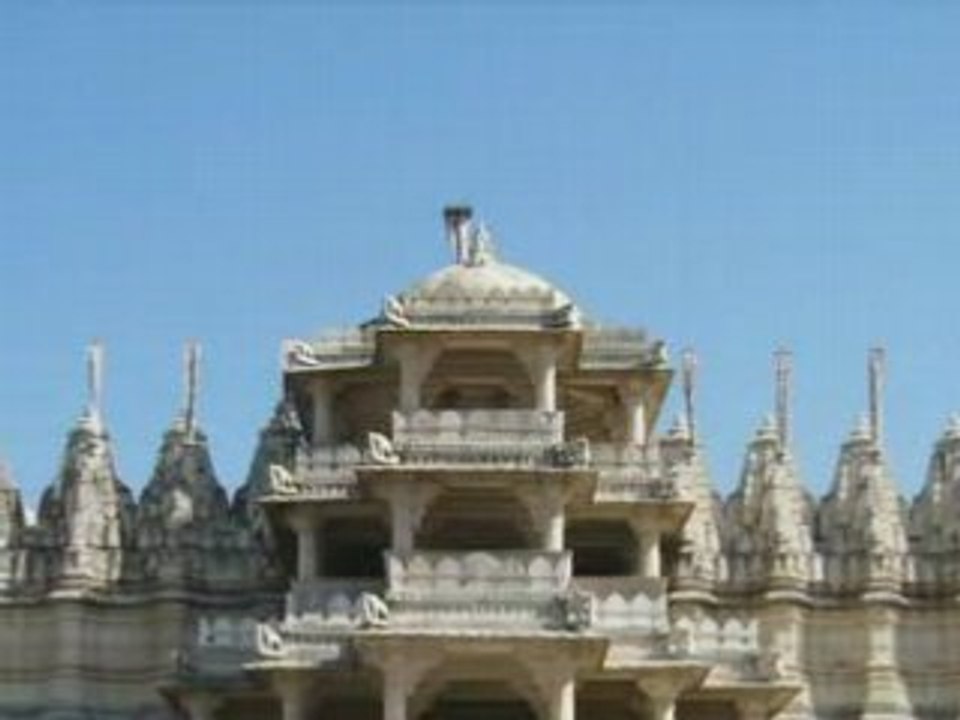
x,y
523,438
328,471
478,574
629,473
626,605
331,601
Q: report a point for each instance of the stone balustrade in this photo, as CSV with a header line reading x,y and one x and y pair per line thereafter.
x,y
524,438
626,605
478,574
332,602
710,636
629,473
328,471
349,347
617,347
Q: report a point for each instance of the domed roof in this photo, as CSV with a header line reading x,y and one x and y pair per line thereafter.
x,y
489,280
479,289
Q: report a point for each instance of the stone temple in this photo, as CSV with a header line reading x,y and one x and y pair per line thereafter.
x,y
463,509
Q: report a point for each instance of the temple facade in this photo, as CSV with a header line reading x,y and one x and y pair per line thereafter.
x,y
464,509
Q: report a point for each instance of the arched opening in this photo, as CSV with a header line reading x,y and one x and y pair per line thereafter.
x,y
479,700
610,700
476,519
472,379
353,547
602,548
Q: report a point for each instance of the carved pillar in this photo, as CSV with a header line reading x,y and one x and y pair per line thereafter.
x,y
201,707
322,394
541,365
547,509
292,690
649,552
395,696
555,528
415,363
408,502
563,700
632,397
752,710
305,527
662,693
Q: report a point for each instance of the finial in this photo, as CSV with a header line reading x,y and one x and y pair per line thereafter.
x,y
191,386
783,363
953,426
877,376
768,429
456,219
94,411
689,377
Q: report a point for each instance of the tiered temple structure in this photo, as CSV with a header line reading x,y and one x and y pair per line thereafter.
x,y
462,509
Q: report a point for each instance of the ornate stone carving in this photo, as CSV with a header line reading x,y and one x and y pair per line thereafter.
x,y
394,313
269,641
380,450
282,481
374,612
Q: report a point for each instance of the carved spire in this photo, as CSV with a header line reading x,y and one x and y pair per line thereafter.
x,y
862,520
770,539
191,387
11,509
935,515
783,362
94,408
457,222
88,510
876,372
689,377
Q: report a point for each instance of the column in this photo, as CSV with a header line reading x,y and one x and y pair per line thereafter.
x,y
563,702
201,707
662,691
394,693
554,531
304,525
401,522
541,363
751,710
322,395
649,540
415,362
292,690
662,707
631,395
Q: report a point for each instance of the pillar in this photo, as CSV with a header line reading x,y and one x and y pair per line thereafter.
x,y
751,710
649,565
631,396
415,362
554,531
394,694
322,395
304,525
201,707
662,707
292,691
541,363
662,691
401,523
563,702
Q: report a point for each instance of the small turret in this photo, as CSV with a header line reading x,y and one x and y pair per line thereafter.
x,y
935,515
769,538
87,512
699,554
861,520
184,512
11,526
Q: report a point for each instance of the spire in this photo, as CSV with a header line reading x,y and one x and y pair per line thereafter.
x,y
876,370
93,415
783,364
191,387
456,219
689,377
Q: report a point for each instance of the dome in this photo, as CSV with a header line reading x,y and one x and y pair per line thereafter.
x,y
488,281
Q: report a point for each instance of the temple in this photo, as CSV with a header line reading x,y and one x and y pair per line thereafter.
x,y
464,509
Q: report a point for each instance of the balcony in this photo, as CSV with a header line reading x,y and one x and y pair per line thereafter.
x,y
628,473
478,575
626,605
327,472
331,602
513,438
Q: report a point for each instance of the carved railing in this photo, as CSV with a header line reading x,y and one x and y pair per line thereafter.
x,y
478,574
605,347
349,347
328,471
524,438
733,636
629,473
626,605
331,601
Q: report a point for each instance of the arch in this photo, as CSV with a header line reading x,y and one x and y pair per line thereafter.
x,y
463,379
476,519
602,548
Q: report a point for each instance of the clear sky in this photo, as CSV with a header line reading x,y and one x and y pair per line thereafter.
x,y
732,176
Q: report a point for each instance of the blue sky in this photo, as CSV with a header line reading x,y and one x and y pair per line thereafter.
x,y
732,178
